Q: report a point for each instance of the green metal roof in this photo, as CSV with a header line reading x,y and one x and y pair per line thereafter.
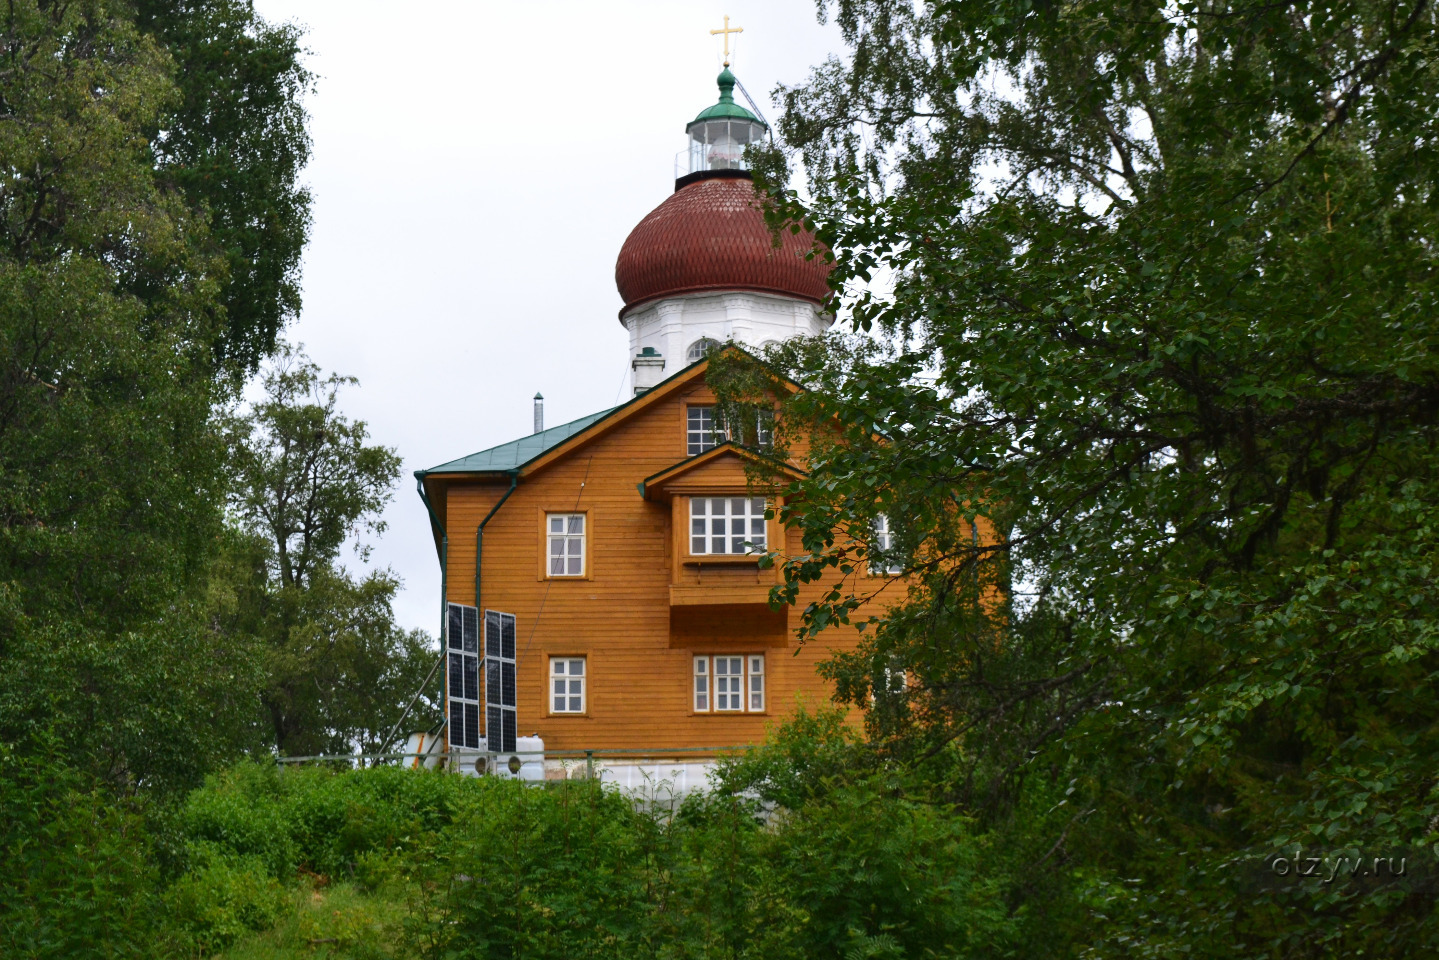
x,y
726,109
517,453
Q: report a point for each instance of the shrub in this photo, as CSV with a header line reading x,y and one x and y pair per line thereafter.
x,y
77,880
220,899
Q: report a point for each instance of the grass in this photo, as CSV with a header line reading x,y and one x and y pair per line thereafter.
x,y
339,921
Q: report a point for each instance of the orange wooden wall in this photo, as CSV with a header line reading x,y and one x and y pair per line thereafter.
x,y
639,657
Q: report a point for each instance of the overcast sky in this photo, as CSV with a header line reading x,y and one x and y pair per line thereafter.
x,y
476,168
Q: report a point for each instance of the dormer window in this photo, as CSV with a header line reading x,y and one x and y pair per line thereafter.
x,y
702,430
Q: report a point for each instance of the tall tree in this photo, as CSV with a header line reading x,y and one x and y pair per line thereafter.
x,y
110,493
1157,289
234,143
306,483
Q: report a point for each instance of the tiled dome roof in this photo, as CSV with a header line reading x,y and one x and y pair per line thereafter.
x,y
711,235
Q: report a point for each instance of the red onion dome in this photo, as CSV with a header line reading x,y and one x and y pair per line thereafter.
x,y
710,235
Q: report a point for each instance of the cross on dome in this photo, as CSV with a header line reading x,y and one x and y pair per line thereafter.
x,y
727,31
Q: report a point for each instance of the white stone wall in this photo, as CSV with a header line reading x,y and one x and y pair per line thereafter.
x,y
749,319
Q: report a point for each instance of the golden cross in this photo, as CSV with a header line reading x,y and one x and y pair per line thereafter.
x,y
727,31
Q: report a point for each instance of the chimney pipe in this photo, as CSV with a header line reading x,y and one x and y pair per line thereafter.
x,y
539,412
649,369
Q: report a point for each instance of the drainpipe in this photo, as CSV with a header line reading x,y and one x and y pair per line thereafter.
x,y
480,533
444,609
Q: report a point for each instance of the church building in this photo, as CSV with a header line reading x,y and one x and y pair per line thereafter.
x,y
602,579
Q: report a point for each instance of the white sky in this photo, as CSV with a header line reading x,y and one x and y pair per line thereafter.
x,y
476,168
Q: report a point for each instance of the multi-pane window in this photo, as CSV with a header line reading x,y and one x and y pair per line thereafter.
x,y
729,683
566,536
882,559
726,525
756,683
701,430
702,684
567,684
732,683
699,349
764,430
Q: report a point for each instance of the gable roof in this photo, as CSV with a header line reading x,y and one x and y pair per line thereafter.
x,y
521,457
727,449
516,453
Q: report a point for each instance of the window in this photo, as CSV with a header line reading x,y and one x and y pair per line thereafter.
x,y
729,680
733,683
702,684
764,430
700,430
756,684
881,549
699,348
566,536
726,525
567,684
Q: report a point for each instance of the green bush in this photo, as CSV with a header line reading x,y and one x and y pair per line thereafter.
x,y
314,818
76,868
220,899
559,873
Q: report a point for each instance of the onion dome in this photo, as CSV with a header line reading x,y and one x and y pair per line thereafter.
x,y
709,236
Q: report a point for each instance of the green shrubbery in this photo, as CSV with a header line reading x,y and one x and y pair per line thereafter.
x,y
424,864
76,874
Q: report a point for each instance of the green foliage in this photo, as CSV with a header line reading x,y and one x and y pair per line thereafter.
x,y
110,483
234,143
305,483
496,868
220,900
1158,304
78,879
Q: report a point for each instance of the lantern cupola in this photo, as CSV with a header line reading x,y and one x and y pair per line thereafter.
x,y
719,135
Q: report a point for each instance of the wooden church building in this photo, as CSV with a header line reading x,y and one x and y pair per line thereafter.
x,y
602,577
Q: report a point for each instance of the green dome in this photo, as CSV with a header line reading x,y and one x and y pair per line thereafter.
x,y
726,109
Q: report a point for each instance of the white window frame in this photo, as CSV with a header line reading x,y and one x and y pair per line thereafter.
x,y
712,525
567,538
881,561
567,688
754,683
698,436
700,688
764,430
742,692
729,692
696,351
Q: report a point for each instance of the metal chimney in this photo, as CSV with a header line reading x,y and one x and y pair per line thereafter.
x,y
539,412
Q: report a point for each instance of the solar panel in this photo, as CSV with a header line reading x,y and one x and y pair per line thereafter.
x,y
501,721
471,630
463,665
453,626
457,668
492,634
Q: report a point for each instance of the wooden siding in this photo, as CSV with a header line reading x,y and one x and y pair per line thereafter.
x,y
644,608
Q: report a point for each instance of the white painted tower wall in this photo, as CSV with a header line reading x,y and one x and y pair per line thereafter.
x,y
671,326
